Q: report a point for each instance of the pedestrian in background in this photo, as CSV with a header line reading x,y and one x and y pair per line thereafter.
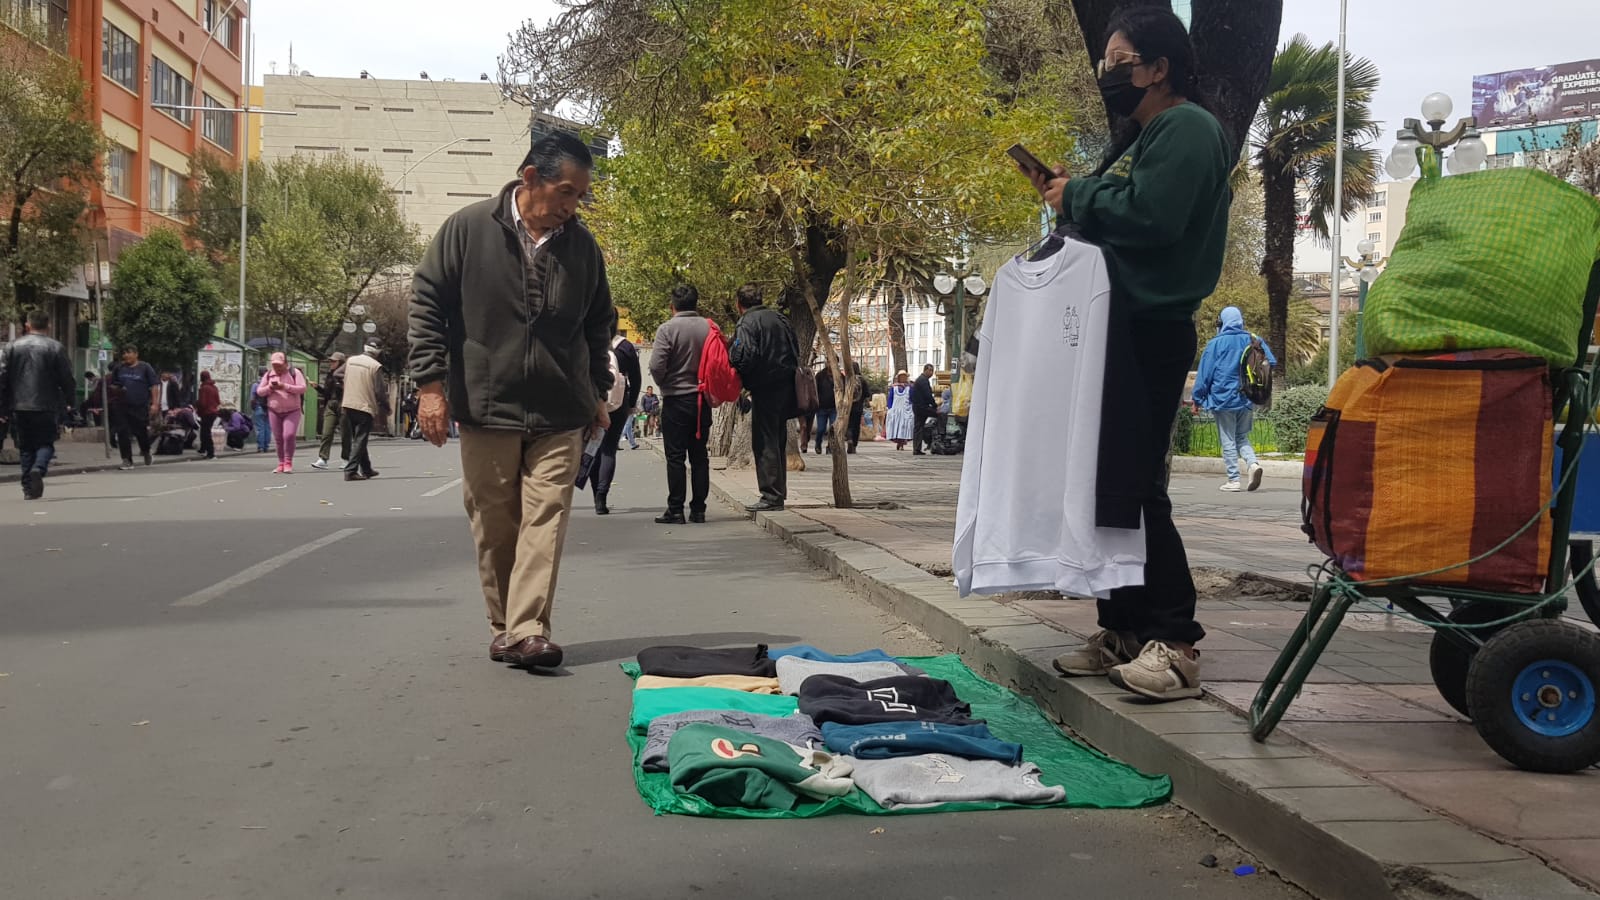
x,y
208,405
259,417
365,399
408,415
827,408
236,427
283,387
924,406
526,389
140,387
765,354
685,412
605,461
1217,390
899,419
332,420
858,406
36,385
651,405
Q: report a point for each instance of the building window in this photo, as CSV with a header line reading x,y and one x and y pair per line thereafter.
x,y
119,171
168,88
1374,236
119,56
398,109
936,355
50,15
217,24
158,186
397,150
1375,217
166,190
1381,198
217,127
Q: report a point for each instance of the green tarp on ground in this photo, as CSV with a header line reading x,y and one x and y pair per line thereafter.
x,y
1092,779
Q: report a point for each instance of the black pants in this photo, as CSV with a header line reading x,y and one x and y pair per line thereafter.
x,y
207,445
1162,609
133,425
604,467
36,439
769,436
855,424
922,429
678,435
359,426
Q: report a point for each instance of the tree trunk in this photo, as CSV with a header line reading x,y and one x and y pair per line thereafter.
x,y
824,255
1234,42
1278,263
897,331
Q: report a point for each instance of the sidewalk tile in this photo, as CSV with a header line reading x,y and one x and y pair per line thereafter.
x,y
1421,843
1365,803
1509,803
1579,857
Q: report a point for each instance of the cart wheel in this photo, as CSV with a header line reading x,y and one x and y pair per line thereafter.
x,y
1449,661
1532,693
1587,585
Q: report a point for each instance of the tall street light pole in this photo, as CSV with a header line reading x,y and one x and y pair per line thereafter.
x,y
425,157
1338,206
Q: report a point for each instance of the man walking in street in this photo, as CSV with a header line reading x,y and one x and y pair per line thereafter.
x,y
1217,390
365,398
685,412
36,384
526,389
765,355
924,406
140,403
332,391
650,405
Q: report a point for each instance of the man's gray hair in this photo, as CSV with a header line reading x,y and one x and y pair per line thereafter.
x,y
553,151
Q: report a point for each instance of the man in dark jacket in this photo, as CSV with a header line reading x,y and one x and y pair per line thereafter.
x,y
924,406
765,355
859,407
509,325
827,407
331,393
36,384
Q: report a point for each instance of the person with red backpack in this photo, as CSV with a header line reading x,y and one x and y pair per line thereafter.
x,y
677,367
766,354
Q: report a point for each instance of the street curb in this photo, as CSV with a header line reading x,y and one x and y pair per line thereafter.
x,y
1208,465
1321,827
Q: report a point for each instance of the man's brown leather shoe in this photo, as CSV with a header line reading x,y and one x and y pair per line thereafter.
x,y
497,647
534,653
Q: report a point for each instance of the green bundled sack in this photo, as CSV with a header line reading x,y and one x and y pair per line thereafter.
x,y
1488,260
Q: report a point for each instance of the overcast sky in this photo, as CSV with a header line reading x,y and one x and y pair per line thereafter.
x,y
1419,45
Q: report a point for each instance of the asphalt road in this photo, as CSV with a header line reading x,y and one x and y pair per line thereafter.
x,y
220,682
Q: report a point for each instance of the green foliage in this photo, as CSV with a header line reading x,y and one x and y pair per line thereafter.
x,y
1242,284
1315,369
323,232
48,146
1183,430
1291,415
163,299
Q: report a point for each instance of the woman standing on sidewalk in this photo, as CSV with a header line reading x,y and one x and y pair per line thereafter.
x,y
899,421
208,404
283,385
1158,207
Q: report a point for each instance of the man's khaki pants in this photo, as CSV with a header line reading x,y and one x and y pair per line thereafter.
x,y
518,490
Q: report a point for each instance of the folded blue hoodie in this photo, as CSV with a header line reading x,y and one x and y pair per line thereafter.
x,y
890,739
806,651
1216,385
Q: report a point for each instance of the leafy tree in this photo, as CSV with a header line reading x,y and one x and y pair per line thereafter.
x,y
48,146
1295,143
1571,159
324,234
164,299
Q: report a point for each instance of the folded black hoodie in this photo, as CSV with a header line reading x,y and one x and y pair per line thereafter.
x,y
908,698
693,662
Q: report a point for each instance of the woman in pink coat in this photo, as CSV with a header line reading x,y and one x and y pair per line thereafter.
x,y
282,387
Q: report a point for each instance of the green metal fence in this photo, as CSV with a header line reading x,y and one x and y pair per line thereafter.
x,y
1204,440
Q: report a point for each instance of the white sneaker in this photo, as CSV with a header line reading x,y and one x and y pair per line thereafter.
x,y
1103,650
1231,487
1255,477
320,463
1160,673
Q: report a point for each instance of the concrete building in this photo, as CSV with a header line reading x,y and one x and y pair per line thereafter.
x,y
1379,221
869,336
440,144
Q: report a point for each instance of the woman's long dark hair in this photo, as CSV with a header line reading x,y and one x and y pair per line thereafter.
x,y
1157,33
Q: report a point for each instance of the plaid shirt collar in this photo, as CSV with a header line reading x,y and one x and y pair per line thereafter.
x,y
528,240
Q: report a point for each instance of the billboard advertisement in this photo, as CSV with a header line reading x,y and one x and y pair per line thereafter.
x,y
1544,94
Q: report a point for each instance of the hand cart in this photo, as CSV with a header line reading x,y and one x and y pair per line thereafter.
x,y
1528,679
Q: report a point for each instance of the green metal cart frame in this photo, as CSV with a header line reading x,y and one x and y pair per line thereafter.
x,y
1528,680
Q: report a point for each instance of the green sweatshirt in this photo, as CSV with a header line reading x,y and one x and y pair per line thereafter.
x,y
733,768
1161,213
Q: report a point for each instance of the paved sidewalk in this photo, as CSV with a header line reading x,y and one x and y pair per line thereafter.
x,y
74,457
1370,707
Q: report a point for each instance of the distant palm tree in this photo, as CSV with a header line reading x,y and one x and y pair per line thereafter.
x,y
1294,140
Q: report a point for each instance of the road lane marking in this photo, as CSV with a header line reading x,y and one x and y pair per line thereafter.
x,y
261,569
443,487
192,487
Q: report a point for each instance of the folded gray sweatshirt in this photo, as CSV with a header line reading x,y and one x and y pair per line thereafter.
x,y
934,778
793,671
797,729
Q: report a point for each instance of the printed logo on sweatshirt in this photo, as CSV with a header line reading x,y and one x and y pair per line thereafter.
x,y
1123,166
729,750
889,699
940,766
1071,327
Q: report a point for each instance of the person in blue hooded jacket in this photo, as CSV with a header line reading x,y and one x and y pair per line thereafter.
x,y
1216,390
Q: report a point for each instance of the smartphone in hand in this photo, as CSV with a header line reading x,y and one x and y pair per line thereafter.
x,y
1029,162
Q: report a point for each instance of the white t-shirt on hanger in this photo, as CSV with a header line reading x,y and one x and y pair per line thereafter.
x,y
1025,514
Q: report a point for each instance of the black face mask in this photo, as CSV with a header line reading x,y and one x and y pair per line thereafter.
x,y
1120,94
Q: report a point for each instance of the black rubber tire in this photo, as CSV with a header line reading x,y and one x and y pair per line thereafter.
x,y
1490,682
1587,586
1449,663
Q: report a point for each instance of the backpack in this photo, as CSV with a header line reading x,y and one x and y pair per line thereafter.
x,y
1255,373
619,384
718,381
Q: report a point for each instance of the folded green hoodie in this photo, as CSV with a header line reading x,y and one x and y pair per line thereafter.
x,y
726,767
651,702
